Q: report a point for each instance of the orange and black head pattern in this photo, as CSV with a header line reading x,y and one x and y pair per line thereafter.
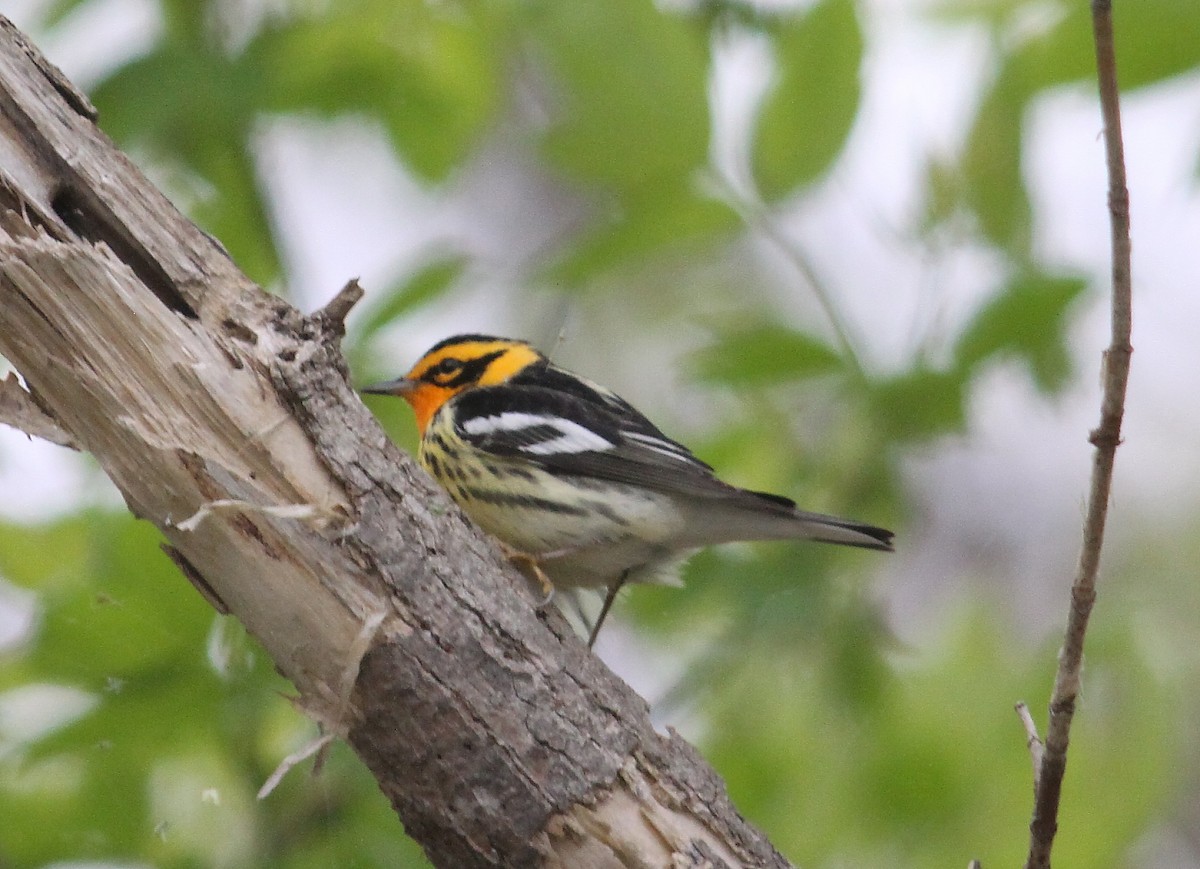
x,y
456,364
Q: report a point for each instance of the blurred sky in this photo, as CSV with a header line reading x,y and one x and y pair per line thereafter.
x,y
1014,484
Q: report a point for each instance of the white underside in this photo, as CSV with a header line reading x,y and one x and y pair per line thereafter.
x,y
626,529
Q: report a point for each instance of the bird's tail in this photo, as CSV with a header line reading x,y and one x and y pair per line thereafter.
x,y
749,515
847,532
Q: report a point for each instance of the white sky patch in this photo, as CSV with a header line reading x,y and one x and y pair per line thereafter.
x,y
32,711
572,437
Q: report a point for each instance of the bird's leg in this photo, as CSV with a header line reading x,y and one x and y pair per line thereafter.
x,y
530,562
609,597
530,566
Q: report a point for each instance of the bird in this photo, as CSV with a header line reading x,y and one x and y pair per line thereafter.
x,y
573,481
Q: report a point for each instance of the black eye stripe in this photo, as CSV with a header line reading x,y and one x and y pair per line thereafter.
x,y
453,372
444,369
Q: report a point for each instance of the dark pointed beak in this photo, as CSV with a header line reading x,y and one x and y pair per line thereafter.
x,y
399,386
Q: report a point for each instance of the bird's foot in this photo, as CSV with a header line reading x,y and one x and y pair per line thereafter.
x,y
528,564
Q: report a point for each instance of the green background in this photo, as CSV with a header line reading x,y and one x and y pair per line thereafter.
x,y
859,706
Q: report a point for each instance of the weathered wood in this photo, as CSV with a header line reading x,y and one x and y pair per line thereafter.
x,y
225,417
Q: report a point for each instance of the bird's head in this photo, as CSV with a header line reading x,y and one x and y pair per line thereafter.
x,y
454,365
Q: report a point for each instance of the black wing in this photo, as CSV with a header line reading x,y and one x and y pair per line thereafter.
x,y
580,430
611,406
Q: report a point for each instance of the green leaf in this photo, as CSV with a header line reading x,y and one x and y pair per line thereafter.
x,y
669,224
1027,320
43,557
993,184
110,618
764,355
1156,39
806,119
630,125
427,74
634,110
919,404
428,77
117,621
58,11
993,13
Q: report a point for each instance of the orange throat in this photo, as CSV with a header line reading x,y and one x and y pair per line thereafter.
x,y
425,401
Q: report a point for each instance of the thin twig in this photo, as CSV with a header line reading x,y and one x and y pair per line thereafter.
x,y
1105,438
235,505
1032,741
293,760
756,216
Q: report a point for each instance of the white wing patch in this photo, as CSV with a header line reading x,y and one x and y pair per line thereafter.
x,y
571,437
666,448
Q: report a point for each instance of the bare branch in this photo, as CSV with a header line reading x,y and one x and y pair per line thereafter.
x,y
1105,438
333,315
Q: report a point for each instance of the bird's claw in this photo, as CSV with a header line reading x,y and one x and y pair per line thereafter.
x,y
531,563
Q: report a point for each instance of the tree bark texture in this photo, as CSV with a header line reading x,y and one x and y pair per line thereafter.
x,y
225,417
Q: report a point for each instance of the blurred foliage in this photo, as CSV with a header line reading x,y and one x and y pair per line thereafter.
x,y
757,356
848,749
175,719
815,97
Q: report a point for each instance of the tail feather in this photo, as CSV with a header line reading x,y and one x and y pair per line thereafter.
x,y
761,516
847,532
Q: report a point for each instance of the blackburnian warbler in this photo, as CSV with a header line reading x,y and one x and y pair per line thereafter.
x,y
574,481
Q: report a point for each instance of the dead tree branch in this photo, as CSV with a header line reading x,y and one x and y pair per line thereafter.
x,y
19,410
225,417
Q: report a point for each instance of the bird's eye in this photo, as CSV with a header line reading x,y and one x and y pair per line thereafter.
x,y
447,366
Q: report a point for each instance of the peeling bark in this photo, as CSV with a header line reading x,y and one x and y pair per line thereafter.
x,y
225,417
